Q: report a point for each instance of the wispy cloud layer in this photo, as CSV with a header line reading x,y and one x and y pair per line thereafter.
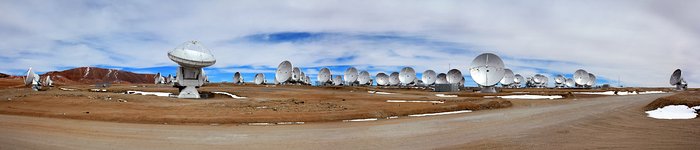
x,y
641,42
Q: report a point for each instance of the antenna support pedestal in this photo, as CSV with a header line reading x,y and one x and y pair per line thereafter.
x,y
189,92
488,89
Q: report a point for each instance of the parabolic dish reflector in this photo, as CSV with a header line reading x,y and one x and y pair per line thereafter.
x,y
337,80
454,76
581,77
29,78
675,77
350,75
192,54
570,82
363,78
591,79
538,78
407,75
429,77
237,78
518,79
394,78
508,77
324,75
487,69
559,79
296,74
259,79
382,79
284,72
441,79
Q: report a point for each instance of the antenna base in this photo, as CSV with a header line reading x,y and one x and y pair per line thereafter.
x,y
189,92
488,89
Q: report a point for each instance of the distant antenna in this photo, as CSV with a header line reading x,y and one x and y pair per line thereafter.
x,y
678,81
382,79
284,72
519,80
32,79
581,78
237,78
429,77
296,74
407,76
394,79
259,79
338,80
487,70
591,80
324,76
364,78
441,79
350,76
508,78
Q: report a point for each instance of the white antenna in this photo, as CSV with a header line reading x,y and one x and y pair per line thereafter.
x,y
192,57
487,70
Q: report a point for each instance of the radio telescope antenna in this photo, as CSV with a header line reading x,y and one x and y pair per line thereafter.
x,y
487,70
192,57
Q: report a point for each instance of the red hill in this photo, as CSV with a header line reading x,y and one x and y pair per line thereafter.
x,y
92,75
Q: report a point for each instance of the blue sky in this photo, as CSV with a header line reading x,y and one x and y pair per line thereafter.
x,y
641,42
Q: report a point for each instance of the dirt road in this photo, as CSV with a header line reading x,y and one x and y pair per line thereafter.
x,y
604,122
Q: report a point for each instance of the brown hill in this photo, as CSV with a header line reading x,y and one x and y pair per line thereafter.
x,y
2,75
92,75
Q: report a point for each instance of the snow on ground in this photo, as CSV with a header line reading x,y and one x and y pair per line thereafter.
x,y
441,113
674,112
229,94
149,93
377,92
652,92
361,120
443,95
526,96
413,101
609,93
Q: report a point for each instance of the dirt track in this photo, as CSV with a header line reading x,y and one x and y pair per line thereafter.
x,y
604,122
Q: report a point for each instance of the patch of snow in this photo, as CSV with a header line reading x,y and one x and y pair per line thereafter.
x,y
652,92
441,113
289,123
392,117
361,120
673,112
149,93
261,124
67,89
609,93
87,71
377,92
531,96
229,94
443,95
413,101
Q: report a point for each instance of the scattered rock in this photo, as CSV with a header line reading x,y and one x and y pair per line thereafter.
x,y
87,112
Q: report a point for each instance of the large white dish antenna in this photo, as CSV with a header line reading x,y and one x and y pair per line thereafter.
x,y
350,75
508,77
364,78
441,79
296,74
487,69
591,80
29,79
324,76
284,72
382,79
454,76
259,79
581,77
192,54
538,78
407,76
429,77
394,79
338,80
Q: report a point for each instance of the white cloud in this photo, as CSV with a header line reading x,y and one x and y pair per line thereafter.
x,y
641,41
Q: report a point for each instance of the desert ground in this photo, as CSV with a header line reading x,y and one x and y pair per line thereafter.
x,y
305,117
